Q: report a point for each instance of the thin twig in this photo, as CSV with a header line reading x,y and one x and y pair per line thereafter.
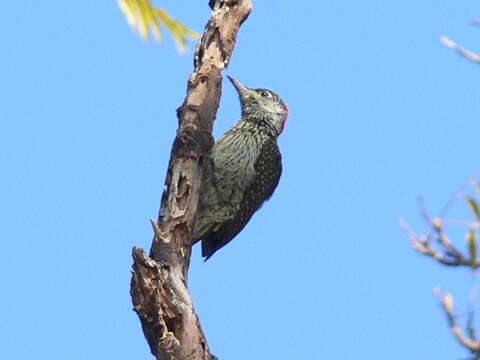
x,y
447,253
447,303
450,256
470,55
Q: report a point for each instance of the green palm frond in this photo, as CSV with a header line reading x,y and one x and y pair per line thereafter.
x,y
146,18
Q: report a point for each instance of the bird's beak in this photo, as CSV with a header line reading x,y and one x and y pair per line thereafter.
x,y
242,90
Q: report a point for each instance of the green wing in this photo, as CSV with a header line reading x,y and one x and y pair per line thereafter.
x,y
268,169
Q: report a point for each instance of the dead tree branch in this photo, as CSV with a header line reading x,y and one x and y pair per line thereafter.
x,y
159,281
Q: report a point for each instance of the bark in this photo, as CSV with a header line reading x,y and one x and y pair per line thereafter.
x,y
159,288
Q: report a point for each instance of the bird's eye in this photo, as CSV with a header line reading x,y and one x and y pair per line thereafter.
x,y
264,94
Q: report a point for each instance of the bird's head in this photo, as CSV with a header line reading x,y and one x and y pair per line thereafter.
x,y
262,104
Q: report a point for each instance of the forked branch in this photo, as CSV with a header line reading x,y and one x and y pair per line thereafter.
x,y
445,251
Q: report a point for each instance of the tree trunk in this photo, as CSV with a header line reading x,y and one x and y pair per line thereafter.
x,y
159,281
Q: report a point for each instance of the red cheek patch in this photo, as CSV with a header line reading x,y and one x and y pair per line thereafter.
x,y
286,117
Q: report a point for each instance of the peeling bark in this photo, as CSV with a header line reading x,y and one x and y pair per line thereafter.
x,y
159,281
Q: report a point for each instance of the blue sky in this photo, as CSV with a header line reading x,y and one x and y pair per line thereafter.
x,y
380,113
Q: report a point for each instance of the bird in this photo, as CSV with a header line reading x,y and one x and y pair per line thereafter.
x,y
243,170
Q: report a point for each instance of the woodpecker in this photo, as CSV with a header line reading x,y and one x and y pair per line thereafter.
x,y
244,170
